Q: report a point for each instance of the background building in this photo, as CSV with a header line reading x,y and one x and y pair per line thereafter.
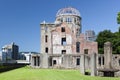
x,y
90,35
10,52
26,55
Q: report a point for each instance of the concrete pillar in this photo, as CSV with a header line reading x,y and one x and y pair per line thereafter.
x,y
45,60
86,62
36,60
65,61
108,54
82,64
93,65
31,61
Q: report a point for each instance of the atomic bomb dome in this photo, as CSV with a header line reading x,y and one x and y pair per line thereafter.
x,y
68,11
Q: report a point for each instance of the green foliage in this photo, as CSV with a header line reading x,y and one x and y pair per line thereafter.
x,y
118,18
105,36
48,74
119,30
102,37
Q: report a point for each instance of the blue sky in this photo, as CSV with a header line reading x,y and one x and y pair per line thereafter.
x,y
20,19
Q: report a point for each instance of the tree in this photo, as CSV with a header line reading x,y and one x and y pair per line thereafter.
x,y
118,18
118,34
105,36
116,43
118,21
102,37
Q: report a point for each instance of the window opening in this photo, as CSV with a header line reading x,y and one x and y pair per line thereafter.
x,y
54,62
46,50
63,51
46,38
78,47
63,42
63,29
78,61
86,51
99,59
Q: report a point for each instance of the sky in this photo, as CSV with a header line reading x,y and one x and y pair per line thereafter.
x,y
20,19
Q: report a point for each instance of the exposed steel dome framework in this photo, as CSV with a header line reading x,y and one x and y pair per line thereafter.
x,y
68,11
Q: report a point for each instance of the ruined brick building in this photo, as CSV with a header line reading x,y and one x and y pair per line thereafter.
x,y
64,35
63,41
63,45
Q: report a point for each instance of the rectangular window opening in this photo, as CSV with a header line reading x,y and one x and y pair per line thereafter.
x,y
54,62
63,29
46,38
86,51
103,60
34,61
77,47
63,51
99,61
63,42
46,50
78,61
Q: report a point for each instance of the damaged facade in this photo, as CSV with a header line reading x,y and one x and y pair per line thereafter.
x,y
63,41
63,45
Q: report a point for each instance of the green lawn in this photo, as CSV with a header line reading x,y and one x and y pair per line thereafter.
x,y
47,74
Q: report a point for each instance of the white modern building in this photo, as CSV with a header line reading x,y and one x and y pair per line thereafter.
x,y
9,52
6,53
26,55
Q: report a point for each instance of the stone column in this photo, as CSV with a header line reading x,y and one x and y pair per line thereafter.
x,y
86,62
36,60
45,60
65,61
82,64
93,65
31,61
108,54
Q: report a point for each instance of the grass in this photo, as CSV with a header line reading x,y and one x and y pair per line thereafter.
x,y
26,73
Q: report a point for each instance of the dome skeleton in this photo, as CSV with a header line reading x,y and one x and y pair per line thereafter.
x,y
68,11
